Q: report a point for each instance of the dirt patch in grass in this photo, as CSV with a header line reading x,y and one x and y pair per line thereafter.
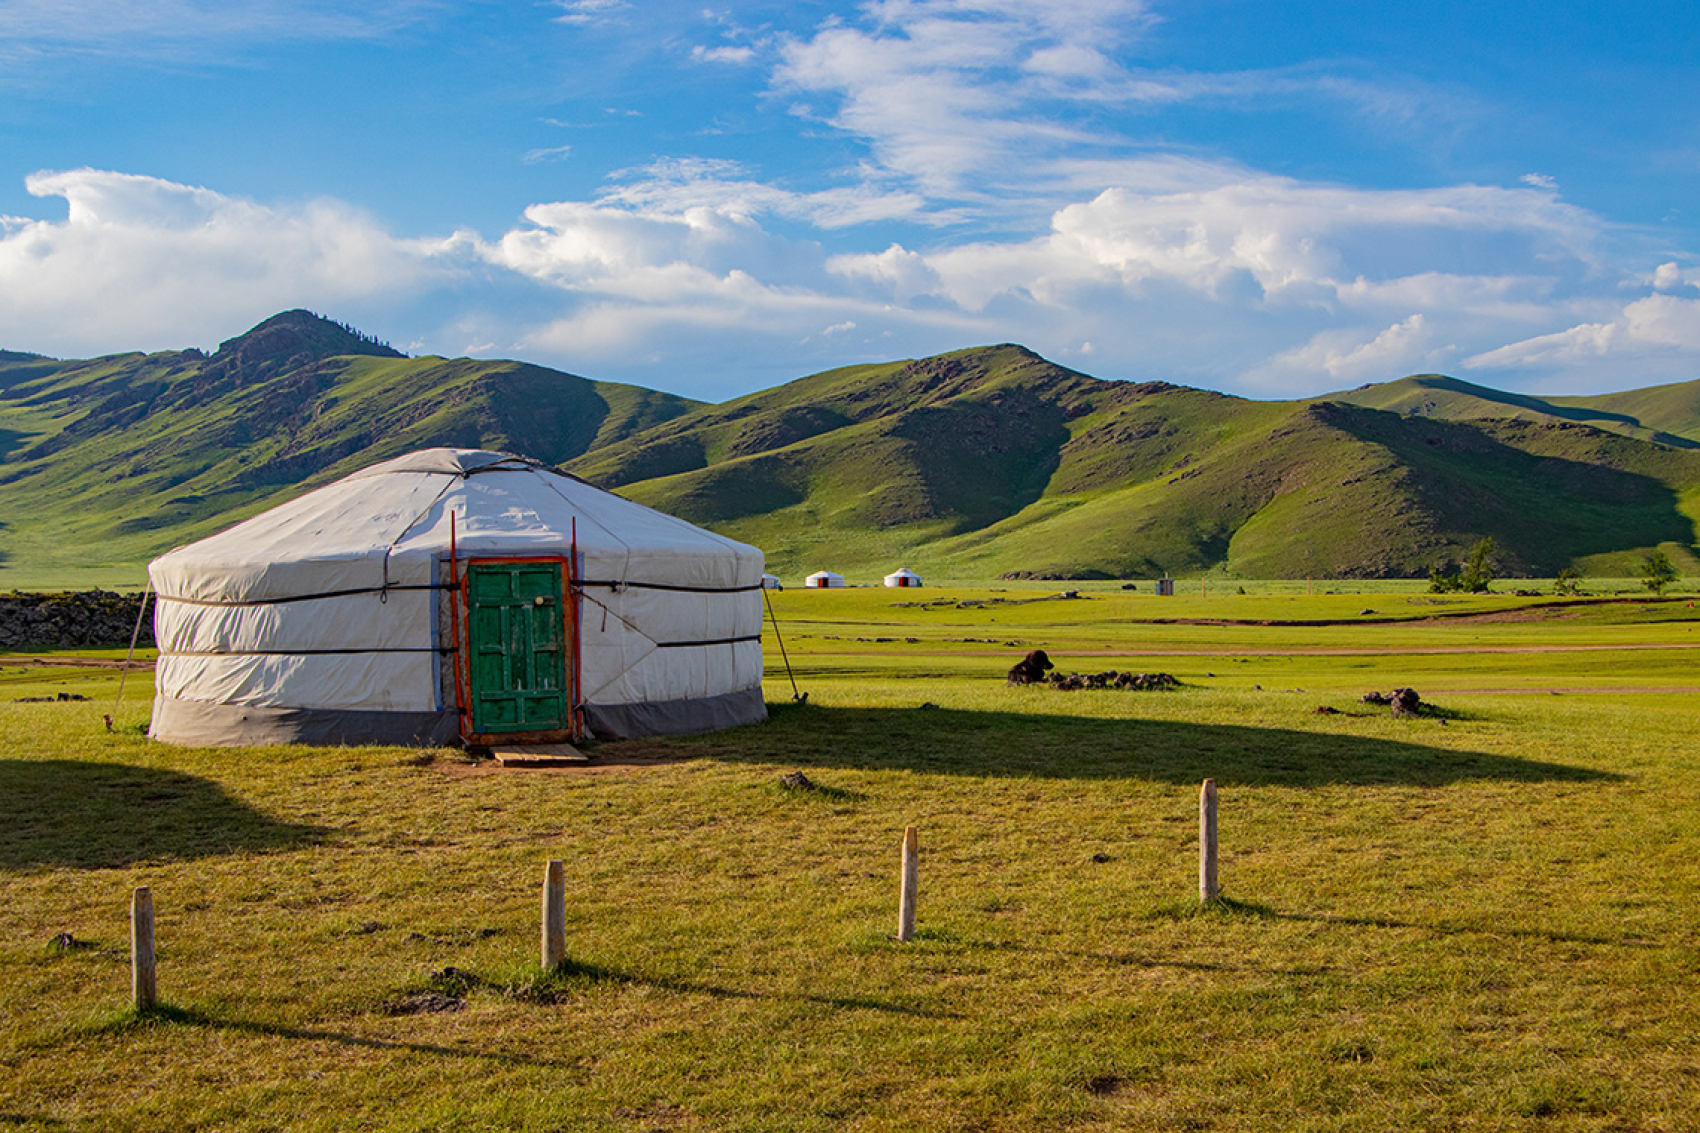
x,y
68,662
1576,690
1538,611
1337,651
602,763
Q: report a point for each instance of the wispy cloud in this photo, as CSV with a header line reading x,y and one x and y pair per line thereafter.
x,y
582,12
680,184
742,53
945,92
46,28
548,153
997,103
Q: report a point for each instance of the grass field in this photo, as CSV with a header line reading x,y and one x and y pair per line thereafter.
x,y
1481,919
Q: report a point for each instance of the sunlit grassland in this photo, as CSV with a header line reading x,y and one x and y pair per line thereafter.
x,y
1479,919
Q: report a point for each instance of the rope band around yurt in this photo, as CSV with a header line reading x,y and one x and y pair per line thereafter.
x,y
608,584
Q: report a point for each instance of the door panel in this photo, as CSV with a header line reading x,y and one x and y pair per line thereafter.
x,y
518,663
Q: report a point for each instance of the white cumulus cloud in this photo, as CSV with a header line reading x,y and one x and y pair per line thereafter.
x,y
1644,330
1344,356
151,263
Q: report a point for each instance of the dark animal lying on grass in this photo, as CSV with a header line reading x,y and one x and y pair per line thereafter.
x,y
1030,670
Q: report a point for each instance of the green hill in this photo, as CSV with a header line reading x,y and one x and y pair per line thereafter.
x,y
1668,415
111,460
994,461
978,463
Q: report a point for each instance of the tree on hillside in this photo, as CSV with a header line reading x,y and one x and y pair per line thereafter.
x,y
1473,577
1569,581
1657,572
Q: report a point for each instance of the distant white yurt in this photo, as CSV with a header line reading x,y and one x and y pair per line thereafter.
x,y
823,579
771,582
340,617
903,576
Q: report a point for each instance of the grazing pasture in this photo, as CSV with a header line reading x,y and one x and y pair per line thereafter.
x,y
1479,918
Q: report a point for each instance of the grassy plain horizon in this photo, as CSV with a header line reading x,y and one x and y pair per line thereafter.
x,y
1477,919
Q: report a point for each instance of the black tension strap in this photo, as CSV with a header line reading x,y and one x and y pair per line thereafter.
x,y
610,584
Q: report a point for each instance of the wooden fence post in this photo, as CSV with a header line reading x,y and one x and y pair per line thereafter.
x,y
911,876
554,916
143,987
1208,889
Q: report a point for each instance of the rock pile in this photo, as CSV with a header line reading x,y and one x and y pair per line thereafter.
x,y
80,618
1404,701
797,781
1072,682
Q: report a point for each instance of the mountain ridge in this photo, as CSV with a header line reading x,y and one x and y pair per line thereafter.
x,y
1131,479
111,460
974,463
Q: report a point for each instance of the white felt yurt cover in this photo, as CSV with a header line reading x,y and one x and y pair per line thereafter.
x,y
903,576
823,578
327,619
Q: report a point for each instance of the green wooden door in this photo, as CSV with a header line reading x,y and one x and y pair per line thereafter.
x,y
518,662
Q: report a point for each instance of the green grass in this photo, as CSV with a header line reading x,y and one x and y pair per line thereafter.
x,y
1479,919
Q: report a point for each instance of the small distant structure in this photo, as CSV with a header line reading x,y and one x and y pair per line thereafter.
x,y
771,582
823,580
1165,587
903,576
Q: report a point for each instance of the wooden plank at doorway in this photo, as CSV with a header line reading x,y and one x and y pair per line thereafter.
x,y
538,755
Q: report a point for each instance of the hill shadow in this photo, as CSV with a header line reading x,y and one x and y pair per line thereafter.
x,y
65,813
1013,744
11,440
1546,508
1586,415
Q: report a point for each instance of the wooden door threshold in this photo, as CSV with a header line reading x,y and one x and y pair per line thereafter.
x,y
538,755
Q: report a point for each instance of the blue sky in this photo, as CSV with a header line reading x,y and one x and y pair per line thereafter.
x,y
1274,199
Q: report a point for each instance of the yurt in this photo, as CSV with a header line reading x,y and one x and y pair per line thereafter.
x,y
771,582
823,579
903,576
456,595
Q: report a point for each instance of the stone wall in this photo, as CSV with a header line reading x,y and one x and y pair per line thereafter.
x,y
79,619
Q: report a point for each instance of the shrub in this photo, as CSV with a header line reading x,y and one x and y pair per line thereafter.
x,y
1657,572
1472,578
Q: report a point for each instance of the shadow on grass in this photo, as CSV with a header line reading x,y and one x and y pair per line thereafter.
x,y
560,985
131,1022
61,812
1228,907
952,742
